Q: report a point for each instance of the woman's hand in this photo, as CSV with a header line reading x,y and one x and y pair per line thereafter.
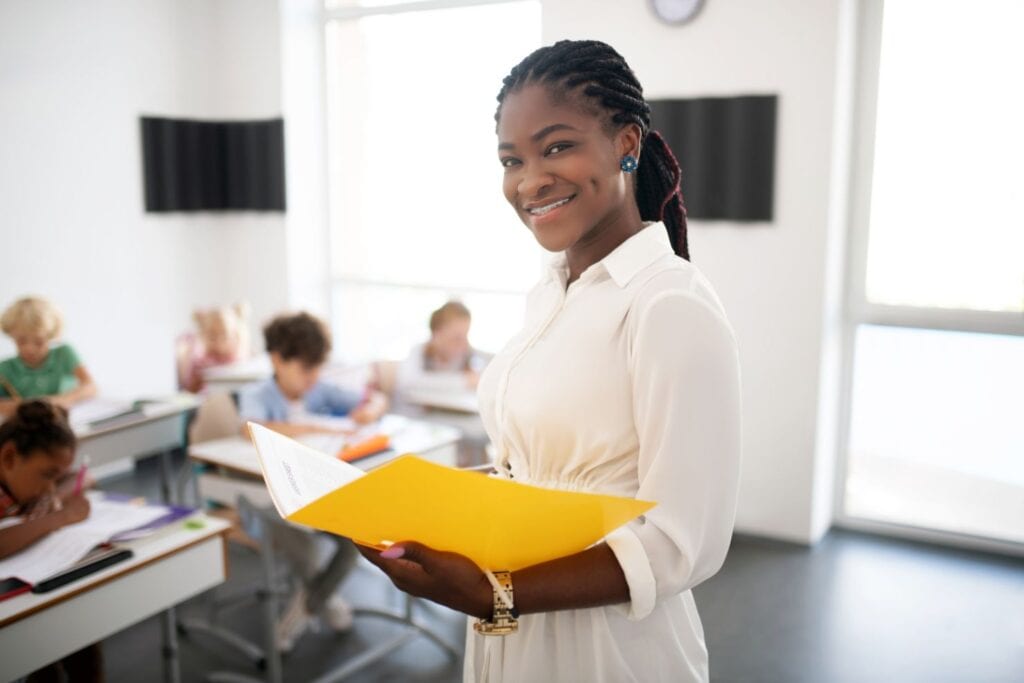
x,y
446,578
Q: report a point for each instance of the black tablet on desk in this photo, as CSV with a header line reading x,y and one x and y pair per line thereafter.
x,y
99,558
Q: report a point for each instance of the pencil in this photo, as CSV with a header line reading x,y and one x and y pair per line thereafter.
x,y
9,388
80,478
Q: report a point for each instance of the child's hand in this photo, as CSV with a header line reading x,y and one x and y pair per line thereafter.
x,y
66,487
76,508
62,402
371,409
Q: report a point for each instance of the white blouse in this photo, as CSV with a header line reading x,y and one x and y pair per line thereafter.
x,y
625,383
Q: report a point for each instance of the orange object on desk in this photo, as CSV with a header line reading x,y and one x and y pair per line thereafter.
x,y
375,444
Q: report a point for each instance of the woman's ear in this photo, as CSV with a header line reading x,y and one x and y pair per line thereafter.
x,y
628,140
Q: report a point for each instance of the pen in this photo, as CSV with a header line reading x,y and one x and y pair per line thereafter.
x,y
80,479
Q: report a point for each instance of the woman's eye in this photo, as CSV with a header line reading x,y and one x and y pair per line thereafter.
x,y
509,162
558,147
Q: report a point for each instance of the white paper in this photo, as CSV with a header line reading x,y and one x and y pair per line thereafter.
x,y
86,412
295,473
64,547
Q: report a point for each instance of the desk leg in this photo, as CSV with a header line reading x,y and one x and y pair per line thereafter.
x,y
169,626
166,477
270,612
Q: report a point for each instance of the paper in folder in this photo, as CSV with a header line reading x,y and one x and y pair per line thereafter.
x,y
497,523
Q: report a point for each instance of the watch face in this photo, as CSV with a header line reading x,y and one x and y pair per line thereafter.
x,y
676,11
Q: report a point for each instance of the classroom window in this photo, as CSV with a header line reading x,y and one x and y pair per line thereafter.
x,y
934,436
416,210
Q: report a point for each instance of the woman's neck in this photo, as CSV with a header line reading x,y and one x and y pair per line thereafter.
x,y
602,240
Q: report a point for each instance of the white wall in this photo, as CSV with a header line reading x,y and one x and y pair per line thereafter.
x,y
770,277
74,78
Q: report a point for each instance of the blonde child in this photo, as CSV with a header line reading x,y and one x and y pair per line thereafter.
x,y
221,338
37,448
288,402
40,368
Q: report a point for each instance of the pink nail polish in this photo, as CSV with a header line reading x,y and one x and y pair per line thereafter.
x,y
393,553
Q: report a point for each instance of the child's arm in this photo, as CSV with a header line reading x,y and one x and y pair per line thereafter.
x,y
20,536
8,406
86,389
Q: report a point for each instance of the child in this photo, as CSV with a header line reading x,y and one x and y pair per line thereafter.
x,y
222,337
446,362
37,448
298,346
39,369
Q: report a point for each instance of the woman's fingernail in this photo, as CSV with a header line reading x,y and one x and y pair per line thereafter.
x,y
393,553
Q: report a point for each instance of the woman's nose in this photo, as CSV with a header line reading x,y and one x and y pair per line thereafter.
x,y
534,182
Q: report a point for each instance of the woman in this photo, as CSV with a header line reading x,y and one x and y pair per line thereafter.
x,y
623,381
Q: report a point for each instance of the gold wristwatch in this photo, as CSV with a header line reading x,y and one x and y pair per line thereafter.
x,y
505,619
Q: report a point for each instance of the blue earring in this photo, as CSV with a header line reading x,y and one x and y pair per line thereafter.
x,y
628,163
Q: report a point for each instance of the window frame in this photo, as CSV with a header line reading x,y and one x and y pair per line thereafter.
x,y
858,310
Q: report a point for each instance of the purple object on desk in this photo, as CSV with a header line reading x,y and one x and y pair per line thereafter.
x,y
174,513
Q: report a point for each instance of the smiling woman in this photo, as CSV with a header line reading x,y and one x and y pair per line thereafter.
x,y
624,381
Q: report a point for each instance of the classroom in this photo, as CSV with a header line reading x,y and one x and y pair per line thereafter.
x,y
511,340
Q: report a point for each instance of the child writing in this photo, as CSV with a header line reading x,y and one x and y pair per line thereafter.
x,y
37,448
40,369
287,402
447,362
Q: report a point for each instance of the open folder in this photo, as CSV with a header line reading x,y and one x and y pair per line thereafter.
x,y
497,523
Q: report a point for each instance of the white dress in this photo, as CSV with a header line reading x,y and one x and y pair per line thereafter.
x,y
627,383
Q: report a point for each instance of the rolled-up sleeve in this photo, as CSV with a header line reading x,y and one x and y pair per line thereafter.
x,y
686,401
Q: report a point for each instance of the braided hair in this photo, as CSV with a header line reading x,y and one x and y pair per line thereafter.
x,y
606,82
37,425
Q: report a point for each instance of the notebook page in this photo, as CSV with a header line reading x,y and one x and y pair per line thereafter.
x,y
296,475
64,547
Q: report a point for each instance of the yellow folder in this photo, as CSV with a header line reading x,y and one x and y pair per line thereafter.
x,y
497,523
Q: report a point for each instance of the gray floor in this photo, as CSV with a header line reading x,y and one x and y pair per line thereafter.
x,y
855,608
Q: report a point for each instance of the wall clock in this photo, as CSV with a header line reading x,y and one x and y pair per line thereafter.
x,y
676,11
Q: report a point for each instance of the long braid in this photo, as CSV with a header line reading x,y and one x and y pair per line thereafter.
x,y
604,78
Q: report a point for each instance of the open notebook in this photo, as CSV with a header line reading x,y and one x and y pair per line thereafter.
x,y
499,524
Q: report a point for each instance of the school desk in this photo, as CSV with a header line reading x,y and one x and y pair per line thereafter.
x,y
238,457
432,441
168,567
234,376
158,427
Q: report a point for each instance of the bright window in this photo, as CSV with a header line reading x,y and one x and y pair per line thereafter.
x,y
946,229
936,400
416,210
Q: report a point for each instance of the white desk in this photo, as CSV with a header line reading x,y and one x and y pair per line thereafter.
x,y
158,428
454,401
432,441
234,376
169,567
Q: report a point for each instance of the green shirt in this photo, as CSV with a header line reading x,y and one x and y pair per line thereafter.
x,y
55,375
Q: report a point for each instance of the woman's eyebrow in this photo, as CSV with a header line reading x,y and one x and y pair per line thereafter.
x,y
541,134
